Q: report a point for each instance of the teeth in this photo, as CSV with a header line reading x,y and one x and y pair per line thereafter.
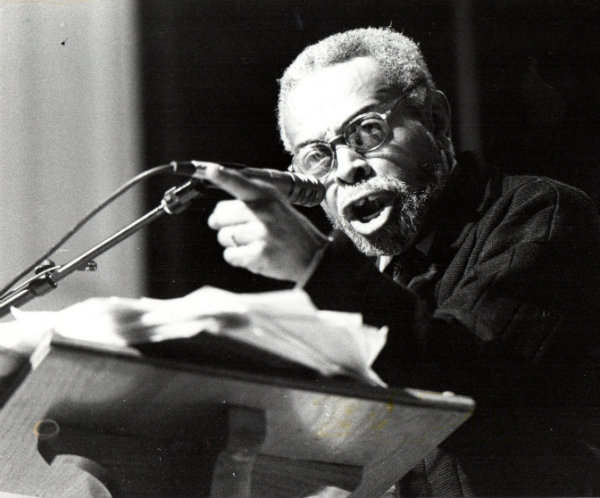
x,y
367,207
370,198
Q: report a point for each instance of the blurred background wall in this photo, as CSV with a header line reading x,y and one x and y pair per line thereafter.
x,y
94,91
70,134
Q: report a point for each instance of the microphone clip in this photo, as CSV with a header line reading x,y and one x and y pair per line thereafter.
x,y
176,199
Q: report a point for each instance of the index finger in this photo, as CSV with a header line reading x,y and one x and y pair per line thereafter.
x,y
236,184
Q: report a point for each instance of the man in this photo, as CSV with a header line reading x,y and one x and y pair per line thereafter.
x,y
489,284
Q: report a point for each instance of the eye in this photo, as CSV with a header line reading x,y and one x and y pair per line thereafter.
x,y
314,159
367,134
314,155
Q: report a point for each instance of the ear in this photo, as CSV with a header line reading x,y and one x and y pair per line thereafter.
x,y
439,109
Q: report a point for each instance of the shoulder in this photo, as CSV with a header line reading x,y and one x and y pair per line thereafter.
x,y
536,212
487,191
538,201
522,190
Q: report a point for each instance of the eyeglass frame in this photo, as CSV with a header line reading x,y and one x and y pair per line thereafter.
x,y
341,138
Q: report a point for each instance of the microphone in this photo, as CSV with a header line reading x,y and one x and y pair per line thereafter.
x,y
299,189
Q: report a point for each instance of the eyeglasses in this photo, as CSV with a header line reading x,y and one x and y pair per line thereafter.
x,y
365,133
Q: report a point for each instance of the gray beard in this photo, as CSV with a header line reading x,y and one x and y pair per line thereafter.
x,y
406,219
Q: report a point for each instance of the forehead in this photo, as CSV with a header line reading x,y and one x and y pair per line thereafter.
x,y
325,99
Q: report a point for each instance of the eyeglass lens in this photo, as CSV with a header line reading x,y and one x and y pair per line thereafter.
x,y
365,134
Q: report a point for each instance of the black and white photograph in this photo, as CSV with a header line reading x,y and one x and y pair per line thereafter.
x,y
299,248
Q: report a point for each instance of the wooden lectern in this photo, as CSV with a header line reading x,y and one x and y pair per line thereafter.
x,y
91,421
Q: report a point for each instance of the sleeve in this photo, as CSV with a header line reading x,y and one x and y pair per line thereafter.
x,y
528,289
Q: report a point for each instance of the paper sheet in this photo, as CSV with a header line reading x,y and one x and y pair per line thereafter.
x,y
284,323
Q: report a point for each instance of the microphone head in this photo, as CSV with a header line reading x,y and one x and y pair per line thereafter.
x,y
305,190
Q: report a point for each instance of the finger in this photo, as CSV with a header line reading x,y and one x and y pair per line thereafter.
x,y
226,237
244,256
234,183
239,235
231,212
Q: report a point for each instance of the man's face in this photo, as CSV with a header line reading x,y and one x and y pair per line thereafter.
x,y
378,198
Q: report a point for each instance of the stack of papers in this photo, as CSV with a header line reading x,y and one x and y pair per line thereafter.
x,y
283,323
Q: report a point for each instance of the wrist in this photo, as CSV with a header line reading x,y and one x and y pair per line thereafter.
x,y
314,263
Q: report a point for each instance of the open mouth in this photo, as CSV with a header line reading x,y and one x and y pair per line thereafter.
x,y
370,212
367,208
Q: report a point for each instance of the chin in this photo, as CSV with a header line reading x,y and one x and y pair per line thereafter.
x,y
390,240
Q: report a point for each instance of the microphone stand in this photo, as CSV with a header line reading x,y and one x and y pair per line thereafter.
x,y
174,201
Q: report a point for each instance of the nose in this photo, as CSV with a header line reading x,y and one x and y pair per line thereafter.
x,y
351,166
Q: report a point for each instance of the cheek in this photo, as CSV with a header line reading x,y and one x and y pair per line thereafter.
x,y
329,203
412,155
413,135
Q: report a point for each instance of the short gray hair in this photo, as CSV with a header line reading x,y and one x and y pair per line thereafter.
x,y
398,56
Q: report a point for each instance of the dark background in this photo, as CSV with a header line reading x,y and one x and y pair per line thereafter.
x,y
210,71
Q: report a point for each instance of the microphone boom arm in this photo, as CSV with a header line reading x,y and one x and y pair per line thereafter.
x,y
174,201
